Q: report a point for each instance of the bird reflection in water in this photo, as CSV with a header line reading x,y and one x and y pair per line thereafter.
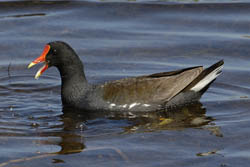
x,y
190,116
75,126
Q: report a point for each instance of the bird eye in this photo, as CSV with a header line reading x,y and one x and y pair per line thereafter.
x,y
54,51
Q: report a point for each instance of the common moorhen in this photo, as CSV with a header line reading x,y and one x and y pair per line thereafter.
x,y
143,93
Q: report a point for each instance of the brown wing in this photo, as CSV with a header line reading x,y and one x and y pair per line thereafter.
x,y
155,88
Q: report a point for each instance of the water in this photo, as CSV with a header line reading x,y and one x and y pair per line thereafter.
x,y
115,40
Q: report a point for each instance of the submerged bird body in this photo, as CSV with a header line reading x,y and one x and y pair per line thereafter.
x,y
144,93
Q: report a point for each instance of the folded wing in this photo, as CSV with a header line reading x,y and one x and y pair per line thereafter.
x,y
156,88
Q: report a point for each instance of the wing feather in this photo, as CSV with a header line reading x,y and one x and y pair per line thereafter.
x,y
156,88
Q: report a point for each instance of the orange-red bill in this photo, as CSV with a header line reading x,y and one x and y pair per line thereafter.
x,y
40,59
41,70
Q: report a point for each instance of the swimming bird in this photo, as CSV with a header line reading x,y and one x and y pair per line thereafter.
x,y
152,92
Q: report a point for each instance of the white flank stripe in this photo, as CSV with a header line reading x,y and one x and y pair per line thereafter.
x,y
112,105
124,106
133,105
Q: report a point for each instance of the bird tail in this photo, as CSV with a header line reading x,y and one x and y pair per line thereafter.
x,y
208,76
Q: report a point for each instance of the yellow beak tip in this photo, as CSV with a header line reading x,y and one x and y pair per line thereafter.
x,y
31,65
37,76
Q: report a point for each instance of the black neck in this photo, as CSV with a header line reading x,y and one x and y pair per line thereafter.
x,y
72,73
74,84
